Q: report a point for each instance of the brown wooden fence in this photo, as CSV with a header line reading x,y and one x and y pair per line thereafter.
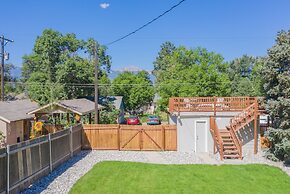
x,y
134,137
24,162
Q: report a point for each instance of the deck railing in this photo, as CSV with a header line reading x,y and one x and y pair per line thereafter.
x,y
210,104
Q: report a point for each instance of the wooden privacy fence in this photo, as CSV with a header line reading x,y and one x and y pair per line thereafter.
x,y
23,163
126,137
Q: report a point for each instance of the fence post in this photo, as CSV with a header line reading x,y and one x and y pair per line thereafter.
x,y
163,131
50,155
8,169
119,137
71,142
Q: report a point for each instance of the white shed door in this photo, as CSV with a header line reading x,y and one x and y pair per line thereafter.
x,y
201,139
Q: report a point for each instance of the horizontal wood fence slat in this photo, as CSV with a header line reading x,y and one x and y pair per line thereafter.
x,y
32,159
130,137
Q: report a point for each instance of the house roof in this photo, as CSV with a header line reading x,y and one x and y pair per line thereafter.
x,y
16,110
78,106
115,100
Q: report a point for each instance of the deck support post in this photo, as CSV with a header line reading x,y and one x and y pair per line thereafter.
x,y
256,129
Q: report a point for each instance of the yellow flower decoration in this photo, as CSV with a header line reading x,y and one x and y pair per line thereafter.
x,y
38,126
77,117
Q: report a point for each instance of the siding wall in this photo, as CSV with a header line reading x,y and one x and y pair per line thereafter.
x,y
14,130
186,130
3,127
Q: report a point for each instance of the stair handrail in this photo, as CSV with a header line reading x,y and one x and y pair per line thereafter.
x,y
249,111
217,138
234,127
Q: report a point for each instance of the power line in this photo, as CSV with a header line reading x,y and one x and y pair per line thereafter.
x,y
92,85
147,24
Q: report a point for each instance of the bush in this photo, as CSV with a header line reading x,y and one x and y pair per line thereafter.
x,y
109,115
280,144
2,140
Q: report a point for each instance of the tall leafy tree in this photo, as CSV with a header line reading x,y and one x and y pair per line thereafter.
x,y
137,89
191,72
277,86
162,61
60,65
245,75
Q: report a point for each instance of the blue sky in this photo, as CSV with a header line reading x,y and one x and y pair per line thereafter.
x,y
229,27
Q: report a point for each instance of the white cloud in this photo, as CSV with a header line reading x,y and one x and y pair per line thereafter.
x,y
104,5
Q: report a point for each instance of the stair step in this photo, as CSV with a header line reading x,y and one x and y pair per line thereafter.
x,y
229,147
230,152
228,143
228,140
231,156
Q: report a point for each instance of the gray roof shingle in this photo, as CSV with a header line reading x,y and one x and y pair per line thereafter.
x,y
16,110
79,106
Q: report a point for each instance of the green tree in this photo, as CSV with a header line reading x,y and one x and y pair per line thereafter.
x,y
137,89
109,114
162,61
62,67
277,86
191,72
9,87
245,75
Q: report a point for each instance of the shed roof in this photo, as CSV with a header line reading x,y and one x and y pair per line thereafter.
x,y
78,106
16,110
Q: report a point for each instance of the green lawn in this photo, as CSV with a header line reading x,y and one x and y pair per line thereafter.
x,y
127,177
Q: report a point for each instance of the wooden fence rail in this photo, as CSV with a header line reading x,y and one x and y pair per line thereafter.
x,y
125,137
22,163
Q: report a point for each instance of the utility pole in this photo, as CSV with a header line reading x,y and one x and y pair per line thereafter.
x,y
3,42
96,61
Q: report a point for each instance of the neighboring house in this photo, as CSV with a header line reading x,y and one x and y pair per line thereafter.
x,y
116,101
14,122
151,108
228,125
67,108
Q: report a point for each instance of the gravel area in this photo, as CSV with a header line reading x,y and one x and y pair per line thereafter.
x,y
63,178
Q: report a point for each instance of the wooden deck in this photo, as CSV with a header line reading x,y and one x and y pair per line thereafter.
x,y
210,104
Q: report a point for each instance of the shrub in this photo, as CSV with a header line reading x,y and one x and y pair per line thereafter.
x,y
280,148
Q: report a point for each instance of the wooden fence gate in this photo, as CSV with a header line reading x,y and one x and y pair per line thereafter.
x,y
134,137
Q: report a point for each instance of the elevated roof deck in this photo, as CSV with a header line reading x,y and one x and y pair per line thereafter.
x,y
210,104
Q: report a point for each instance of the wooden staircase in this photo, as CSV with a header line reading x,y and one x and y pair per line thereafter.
x,y
229,148
226,140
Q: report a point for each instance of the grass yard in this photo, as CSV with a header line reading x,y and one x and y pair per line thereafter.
x,y
127,177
